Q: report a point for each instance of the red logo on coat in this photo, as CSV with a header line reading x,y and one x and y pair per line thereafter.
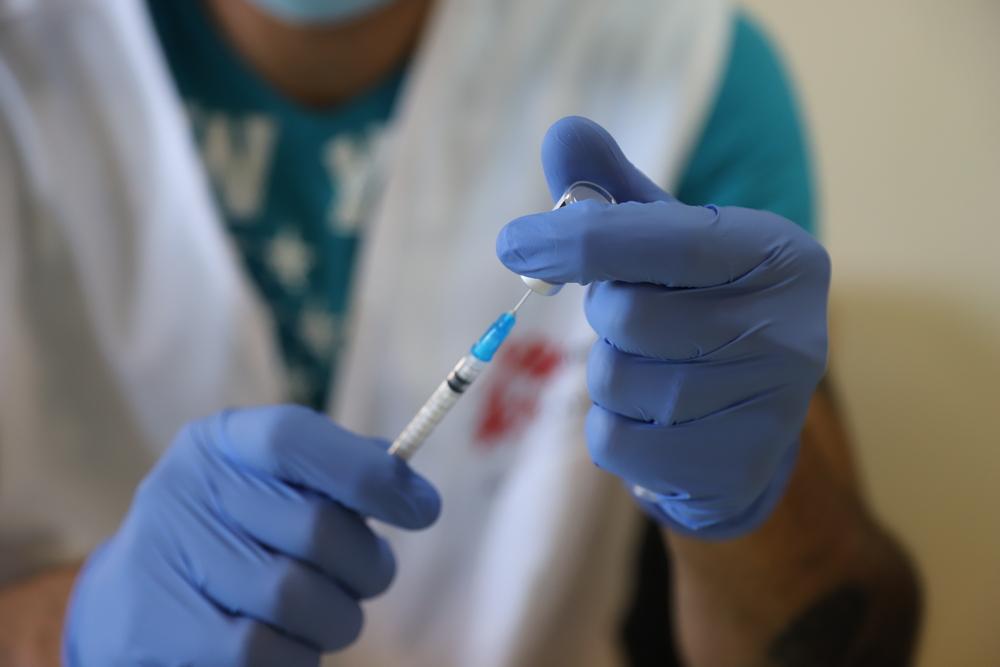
x,y
521,370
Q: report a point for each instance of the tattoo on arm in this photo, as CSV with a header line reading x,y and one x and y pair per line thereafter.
x,y
823,635
851,626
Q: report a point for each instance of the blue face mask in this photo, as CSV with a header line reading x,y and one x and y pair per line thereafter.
x,y
311,12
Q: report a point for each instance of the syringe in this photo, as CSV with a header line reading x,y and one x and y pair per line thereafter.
x,y
448,392
472,365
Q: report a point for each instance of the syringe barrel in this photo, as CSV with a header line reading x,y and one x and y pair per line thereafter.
x,y
437,406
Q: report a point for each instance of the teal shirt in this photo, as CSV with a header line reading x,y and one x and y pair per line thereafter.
x,y
290,182
752,151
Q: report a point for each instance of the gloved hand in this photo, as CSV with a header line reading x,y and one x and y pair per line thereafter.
x,y
712,333
246,545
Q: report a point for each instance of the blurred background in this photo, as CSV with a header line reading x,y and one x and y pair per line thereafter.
x,y
903,99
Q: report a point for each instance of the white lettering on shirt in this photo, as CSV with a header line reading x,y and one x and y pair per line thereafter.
x,y
237,153
352,165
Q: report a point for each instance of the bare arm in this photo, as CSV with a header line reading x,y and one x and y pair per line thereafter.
x,y
820,583
31,618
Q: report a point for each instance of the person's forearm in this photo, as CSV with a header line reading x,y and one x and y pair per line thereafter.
x,y
31,618
820,583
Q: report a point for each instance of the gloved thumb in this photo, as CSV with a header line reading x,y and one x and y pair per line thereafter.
x,y
578,149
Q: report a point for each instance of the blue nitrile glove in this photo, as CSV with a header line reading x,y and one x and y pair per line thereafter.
x,y
246,545
712,333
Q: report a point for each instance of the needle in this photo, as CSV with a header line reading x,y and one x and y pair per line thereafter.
x,y
520,302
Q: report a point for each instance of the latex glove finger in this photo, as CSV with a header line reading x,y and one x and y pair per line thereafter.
x,y
666,393
663,243
671,325
261,646
748,468
276,590
203,632
589,241
302,447
578,149
313,529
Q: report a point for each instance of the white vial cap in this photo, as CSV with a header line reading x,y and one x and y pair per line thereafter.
x,y
579,191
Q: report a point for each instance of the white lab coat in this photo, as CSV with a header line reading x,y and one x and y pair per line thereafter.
x,y
124,311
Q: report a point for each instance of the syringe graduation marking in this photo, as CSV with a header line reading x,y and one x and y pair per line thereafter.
x,y
457,383
437,406
458,380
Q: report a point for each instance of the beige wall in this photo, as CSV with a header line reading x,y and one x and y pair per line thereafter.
x,y
904,101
